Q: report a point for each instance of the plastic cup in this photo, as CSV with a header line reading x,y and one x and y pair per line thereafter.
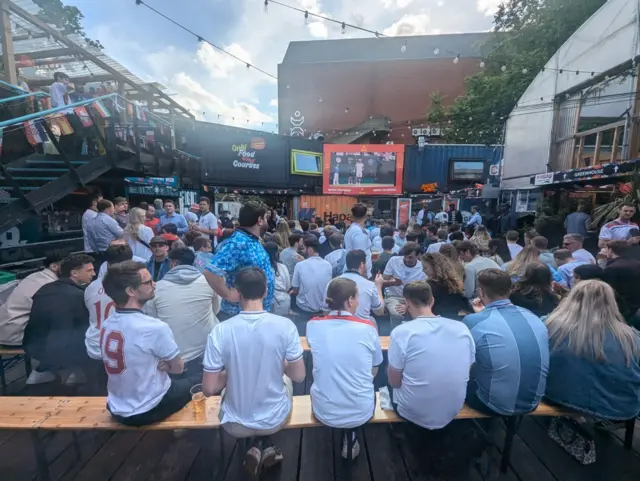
x,y
198,399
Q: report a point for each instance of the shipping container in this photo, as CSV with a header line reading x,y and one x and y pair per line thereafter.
x,y
325,207
451,167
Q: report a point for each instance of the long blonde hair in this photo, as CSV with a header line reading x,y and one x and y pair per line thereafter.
x,y
481,238
526,256
136,220
444,272
585,317
281,237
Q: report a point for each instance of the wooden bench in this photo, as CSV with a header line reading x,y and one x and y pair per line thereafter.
x,y
7,351
384,343
90,413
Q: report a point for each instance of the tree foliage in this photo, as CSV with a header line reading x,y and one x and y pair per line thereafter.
x,y
527,34
66,17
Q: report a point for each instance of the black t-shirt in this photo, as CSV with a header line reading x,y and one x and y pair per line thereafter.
x,y
539,306
381,263
445,304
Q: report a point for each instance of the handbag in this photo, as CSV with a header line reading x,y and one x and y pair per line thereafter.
x,y
574,438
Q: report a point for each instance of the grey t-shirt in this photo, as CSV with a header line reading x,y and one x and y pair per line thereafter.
x,y
576,223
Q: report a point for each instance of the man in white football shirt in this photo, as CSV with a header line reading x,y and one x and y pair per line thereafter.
x,y
207,221
346,354
401,270
620,228
100,307
139,352
254,355
429,362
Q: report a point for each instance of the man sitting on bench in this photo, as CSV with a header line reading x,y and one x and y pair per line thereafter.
x,y
138,351
254,354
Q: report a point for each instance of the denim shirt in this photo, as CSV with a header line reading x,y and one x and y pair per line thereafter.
x,y
164,268
607,390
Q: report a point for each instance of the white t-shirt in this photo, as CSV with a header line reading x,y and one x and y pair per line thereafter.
x,y
368,298
57,91
514,249
435,248
282,298
139,249
357,238
87,220
441,217
616,230
376,246
132,344
252,347
103,268
344,349
311,278
435,355
584,256
397,268
209,221
100,307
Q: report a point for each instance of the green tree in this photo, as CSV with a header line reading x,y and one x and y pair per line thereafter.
x,y
527,34
437,115
66,17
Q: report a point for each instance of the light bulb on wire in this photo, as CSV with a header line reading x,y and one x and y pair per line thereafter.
x,y
456,59
482,64
306,18
344,28
503,68
403,49
266,6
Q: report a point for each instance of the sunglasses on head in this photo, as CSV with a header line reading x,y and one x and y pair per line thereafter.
x,y
157,245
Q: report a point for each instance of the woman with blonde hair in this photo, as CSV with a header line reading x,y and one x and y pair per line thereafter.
x,y
481,239
446,285
138,235
451,253
594,362
517,266
281,237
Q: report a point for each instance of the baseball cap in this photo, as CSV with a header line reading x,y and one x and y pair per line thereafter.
x,y
158,240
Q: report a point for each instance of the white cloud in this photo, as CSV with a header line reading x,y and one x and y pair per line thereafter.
x,y
409,24
318,30
220,64
273,103
396,3
488,7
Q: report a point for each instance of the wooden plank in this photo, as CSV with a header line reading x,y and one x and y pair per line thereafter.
x,y
384,455
289,443
619,434
355,470
614,144
316,455
144,457
67,466
596,152
177,460
578,161
111,456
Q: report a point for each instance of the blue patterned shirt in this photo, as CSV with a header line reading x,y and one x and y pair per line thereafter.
x,y
241,250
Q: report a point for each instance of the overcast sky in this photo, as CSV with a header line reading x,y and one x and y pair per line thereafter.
x,y
210,83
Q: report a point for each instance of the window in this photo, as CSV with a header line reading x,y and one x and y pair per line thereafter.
x,y
466,170
306,163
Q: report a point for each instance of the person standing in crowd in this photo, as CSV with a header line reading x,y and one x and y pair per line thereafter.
x,y
620,228
170,234
207,222
346,354
442,240
578,222
474,265
533,290
140,391
429,362
370,297
623,274
512,351
499,252
151,221
172,217
481,238
516,267
546,256
441,217
291,255
389,249
14,313
138,235
55,332
282,298
242,249
117,242
595,357
424,216
400,271
587,272
87,222
191,214
121,205
186,303
325,246
159,264
255,355
512,242
310,280
100,307
573,243
400,237
455,216
476,219
566,264
337,257
103,231
356,237
202,249
281,237
529,236
431,236
446,286
157,204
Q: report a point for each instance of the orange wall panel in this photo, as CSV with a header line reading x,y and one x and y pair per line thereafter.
x,y
327,206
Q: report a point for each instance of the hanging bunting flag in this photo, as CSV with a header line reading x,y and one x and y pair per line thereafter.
x,y
129,109
101,109
140,113
34,130
60,125
84,117
119,107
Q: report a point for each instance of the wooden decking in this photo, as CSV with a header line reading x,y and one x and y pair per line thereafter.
x,y
310,455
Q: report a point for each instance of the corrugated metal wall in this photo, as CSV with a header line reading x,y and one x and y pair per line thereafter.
x,y
326,206
431,164
566,120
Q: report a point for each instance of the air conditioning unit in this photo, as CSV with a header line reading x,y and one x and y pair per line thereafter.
x,y
427,132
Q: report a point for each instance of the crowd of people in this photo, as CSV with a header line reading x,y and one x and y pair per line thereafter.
x,y
162,301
